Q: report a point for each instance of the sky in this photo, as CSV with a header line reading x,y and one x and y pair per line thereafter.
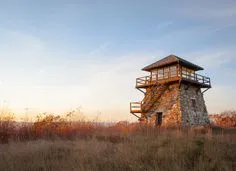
x,y
58,55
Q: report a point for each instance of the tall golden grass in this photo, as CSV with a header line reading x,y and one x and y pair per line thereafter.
x,y
55,143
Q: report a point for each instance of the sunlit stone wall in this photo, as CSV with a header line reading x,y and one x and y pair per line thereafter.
x,y
181,106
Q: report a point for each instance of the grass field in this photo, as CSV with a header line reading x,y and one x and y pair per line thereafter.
x,y
122,149
55,143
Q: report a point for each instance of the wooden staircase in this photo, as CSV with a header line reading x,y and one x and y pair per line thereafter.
x,y
152,96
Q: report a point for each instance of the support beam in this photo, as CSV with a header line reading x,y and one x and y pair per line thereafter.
x,y
141,90
205,90
136,115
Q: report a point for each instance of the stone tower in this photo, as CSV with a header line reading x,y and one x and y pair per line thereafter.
x,y
173,94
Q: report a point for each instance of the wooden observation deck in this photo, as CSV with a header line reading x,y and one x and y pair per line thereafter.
x,y
194,78
177,75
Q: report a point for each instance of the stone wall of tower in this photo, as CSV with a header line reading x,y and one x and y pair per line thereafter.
x,y
193,106
168,103
176,104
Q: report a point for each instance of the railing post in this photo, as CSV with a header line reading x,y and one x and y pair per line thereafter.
x,y
140,106
177,70
180,71
130,107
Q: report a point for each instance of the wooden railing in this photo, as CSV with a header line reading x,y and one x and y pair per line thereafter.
x,y
154,78
143,80
197,78
135,107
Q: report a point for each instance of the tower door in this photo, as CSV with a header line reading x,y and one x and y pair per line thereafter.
x,y
158,118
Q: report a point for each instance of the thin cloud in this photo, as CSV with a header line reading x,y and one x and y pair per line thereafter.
x,y
214,58
210,9
222,27
100,49
164,25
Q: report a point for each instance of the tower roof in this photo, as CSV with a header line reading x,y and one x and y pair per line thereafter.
x,y
171,59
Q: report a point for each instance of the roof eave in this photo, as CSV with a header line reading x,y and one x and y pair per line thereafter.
x,y
149,69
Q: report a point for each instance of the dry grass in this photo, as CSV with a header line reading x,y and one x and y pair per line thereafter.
x,y
147,149
53,143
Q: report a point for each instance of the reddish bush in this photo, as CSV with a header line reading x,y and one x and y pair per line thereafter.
x,y
225,119
6,126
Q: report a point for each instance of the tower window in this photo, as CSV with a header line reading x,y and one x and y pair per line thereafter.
x,y
173,71
160,73
166,72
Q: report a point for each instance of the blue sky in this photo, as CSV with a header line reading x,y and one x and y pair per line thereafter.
x,y
57,55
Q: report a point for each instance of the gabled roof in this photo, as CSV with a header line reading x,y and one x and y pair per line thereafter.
x,y
171,59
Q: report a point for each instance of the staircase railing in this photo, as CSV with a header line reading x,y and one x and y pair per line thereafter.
x,y
143,81
136,107
154,96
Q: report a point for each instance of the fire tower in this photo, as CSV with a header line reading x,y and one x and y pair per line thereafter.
x,y
173,94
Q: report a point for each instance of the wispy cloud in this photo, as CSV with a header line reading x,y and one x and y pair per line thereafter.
x,y
64,83
221,27
214,57
101,48
163,25
211,9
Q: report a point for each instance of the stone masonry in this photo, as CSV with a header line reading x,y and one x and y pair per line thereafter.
x,y
193,114
181,106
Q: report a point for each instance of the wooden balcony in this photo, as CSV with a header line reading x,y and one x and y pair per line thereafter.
x,y
194,78
135,107
203,81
